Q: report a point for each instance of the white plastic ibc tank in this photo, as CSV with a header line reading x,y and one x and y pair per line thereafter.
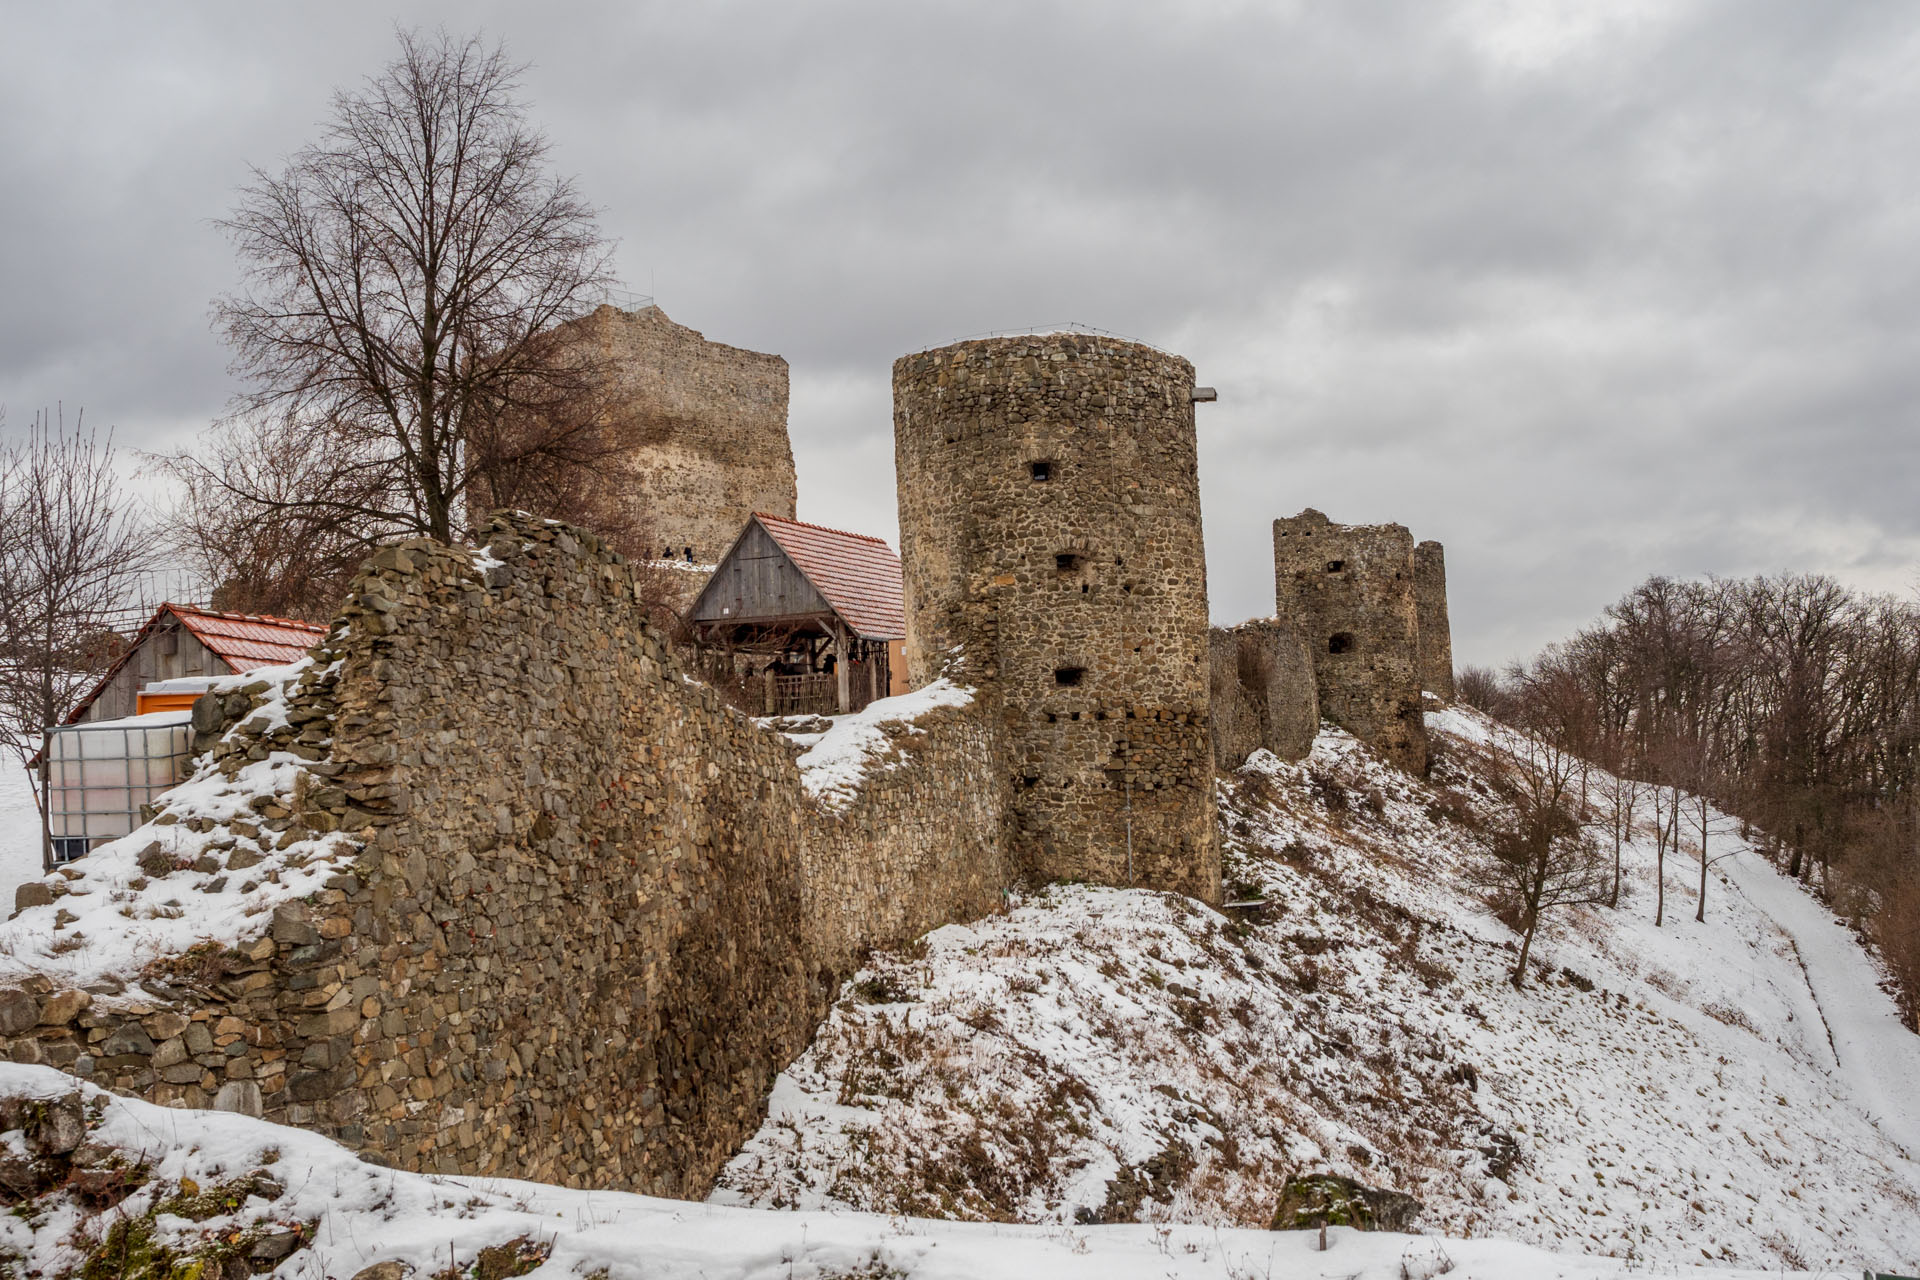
x,y
100,774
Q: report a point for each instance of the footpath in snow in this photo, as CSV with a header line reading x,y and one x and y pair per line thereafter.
x,y
1876,1057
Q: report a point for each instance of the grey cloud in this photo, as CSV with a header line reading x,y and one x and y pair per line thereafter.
x,y
1585,307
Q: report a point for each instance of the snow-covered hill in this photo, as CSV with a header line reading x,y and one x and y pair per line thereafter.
x,y
100,1185
1737,1091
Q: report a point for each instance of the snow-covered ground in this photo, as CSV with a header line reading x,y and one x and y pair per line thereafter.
x,y
1660,1096
165,1192
19,832
167,887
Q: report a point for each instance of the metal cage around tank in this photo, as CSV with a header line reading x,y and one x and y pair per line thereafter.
x,y
101,776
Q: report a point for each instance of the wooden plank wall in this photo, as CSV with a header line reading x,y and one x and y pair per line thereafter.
x,y
758,581
167,653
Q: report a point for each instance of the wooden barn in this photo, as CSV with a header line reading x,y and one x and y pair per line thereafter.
x,y
179,641
813,615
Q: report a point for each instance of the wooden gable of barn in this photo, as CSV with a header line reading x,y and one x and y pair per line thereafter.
x,y
758,582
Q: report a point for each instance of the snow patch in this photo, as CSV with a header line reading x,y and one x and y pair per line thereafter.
x,y
165,888
838,759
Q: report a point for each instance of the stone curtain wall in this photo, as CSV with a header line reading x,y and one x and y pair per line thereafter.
x,y
701,426
1349,591
592,913
581,890
1263,692
923,843
1436,633
1050,533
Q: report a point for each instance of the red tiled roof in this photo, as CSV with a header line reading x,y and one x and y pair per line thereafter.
x,y
244,641
858,574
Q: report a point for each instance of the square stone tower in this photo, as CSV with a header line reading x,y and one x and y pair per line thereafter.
x,y
1050,539
1436,633
698,431
1349,589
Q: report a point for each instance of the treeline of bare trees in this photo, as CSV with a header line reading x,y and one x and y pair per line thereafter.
x,y
1790,702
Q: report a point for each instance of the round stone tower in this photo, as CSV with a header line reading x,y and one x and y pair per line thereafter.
x,y
1050,538
1349,589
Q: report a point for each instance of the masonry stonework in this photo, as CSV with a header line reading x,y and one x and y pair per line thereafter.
x,y
1051,540
1349,591
922,844
1436,632
700,429
1263,693
586,911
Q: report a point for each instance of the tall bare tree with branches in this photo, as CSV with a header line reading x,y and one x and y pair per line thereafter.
x,y
403,276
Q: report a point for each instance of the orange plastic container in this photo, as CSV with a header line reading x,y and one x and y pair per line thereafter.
x,y
145,702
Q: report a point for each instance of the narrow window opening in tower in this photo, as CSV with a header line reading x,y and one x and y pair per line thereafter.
x,y
1068,676
1335,566
1340,642
1083,588
1040,471
1069,561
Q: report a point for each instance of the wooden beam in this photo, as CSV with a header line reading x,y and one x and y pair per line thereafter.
x,y
843,689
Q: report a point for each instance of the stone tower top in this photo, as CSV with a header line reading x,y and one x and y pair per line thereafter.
x,y
699,429
1349,590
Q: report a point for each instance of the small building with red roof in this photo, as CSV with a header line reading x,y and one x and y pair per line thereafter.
x,y
815,615
181,641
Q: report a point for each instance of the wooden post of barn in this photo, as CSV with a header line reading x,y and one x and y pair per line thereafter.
x,y
875,654
841,676
767,676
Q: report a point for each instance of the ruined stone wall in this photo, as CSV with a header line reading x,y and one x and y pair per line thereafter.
x,y
585,912
1263,692
701,429
921,844
1436,633
1349,591
1050,535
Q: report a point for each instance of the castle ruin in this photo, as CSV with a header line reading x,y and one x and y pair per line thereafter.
x,y
576,913
1349,589
1050,533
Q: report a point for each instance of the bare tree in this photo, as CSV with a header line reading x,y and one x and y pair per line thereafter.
x,y
1620,803
1542,858
71,551
241,525
403,276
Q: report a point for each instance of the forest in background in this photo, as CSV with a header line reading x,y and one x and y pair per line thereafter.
x,y
1789,701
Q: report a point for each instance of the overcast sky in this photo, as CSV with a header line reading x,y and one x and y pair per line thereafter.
x,y
1586,290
